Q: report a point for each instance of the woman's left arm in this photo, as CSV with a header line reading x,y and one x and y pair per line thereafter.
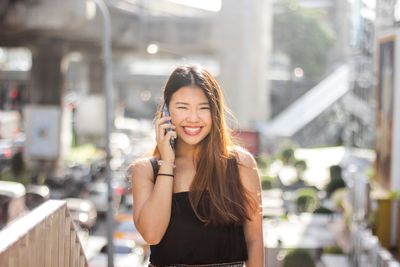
x,y
252,228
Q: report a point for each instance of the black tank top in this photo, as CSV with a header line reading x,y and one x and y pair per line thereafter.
x,y
188,240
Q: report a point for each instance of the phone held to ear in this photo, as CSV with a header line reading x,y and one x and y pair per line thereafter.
x,y
165,113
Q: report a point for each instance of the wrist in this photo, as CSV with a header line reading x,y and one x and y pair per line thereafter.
x,y
166,163
166,174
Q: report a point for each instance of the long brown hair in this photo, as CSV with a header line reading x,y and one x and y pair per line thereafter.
x,y
216,194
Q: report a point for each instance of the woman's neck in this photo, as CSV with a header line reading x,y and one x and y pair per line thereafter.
x,y
184,150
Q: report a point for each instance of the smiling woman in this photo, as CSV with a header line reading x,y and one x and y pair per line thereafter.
x,y
197,202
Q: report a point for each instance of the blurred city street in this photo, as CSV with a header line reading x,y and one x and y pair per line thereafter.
x,y
313,90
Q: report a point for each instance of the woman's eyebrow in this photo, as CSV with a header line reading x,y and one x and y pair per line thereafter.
x,y
187,104
181,103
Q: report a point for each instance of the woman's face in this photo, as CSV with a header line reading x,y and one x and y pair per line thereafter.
x,y
191,114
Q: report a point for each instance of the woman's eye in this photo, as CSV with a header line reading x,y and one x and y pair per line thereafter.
x,y
205,108
181,107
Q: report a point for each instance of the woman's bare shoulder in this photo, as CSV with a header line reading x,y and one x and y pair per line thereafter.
x,y
244,158
141,167
248,170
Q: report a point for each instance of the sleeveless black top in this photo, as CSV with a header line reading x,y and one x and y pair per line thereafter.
x,y
188,240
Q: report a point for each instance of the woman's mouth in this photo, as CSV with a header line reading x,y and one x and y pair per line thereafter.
x,y
192,131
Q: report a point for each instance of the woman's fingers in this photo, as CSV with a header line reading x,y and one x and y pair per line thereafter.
x,y
170,134
164,134
163,120
162,126
159,122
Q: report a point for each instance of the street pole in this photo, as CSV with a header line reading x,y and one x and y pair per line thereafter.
x,y
106,46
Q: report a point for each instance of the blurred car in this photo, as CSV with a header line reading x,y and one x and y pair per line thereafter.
x,y
98,193
36,195
97,169
62,187
81,173
126,230
83,212
126,254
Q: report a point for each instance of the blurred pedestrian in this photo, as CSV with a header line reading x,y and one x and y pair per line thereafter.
x,y
197,200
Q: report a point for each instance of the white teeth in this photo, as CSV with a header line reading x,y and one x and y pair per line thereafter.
x,y
192,130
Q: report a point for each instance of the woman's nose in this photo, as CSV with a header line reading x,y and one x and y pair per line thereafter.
x,y
193,116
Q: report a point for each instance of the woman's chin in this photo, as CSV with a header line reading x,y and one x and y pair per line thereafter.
x,y
191,141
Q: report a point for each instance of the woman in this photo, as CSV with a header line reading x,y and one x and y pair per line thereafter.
x,y
197,200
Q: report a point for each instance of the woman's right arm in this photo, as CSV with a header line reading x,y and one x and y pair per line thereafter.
x,y
152,202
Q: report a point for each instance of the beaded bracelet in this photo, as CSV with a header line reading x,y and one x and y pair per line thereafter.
x,y
161,162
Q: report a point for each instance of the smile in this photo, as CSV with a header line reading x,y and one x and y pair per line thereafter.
x,y
192,130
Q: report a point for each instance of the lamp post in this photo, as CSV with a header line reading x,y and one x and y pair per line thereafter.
x,y
107,80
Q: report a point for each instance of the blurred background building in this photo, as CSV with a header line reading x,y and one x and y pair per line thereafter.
x,y
274,65
313,85
149,38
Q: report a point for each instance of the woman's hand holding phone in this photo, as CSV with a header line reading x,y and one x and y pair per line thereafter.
x,y
165,131
165,113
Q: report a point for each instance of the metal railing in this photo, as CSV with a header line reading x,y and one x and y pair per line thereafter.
x,y
44,237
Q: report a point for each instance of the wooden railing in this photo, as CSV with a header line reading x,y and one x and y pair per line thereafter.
x,y
44,237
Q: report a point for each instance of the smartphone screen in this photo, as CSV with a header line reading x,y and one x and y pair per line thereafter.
x,y
165,113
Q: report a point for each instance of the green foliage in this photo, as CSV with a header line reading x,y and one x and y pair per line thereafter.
x,y
284,217
336,180
370,173
335,171
84,154
17,171
298,258
24,177
262,161
267,182
287,156
372,219
300,165
17,164
332,250
394,194
299,33
307,200
323,210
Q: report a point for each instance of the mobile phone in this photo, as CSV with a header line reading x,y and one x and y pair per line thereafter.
x,y
165,113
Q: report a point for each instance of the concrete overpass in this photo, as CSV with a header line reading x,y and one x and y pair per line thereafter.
x,y
237,38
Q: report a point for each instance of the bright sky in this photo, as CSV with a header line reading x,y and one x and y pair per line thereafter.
x,y
211,5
